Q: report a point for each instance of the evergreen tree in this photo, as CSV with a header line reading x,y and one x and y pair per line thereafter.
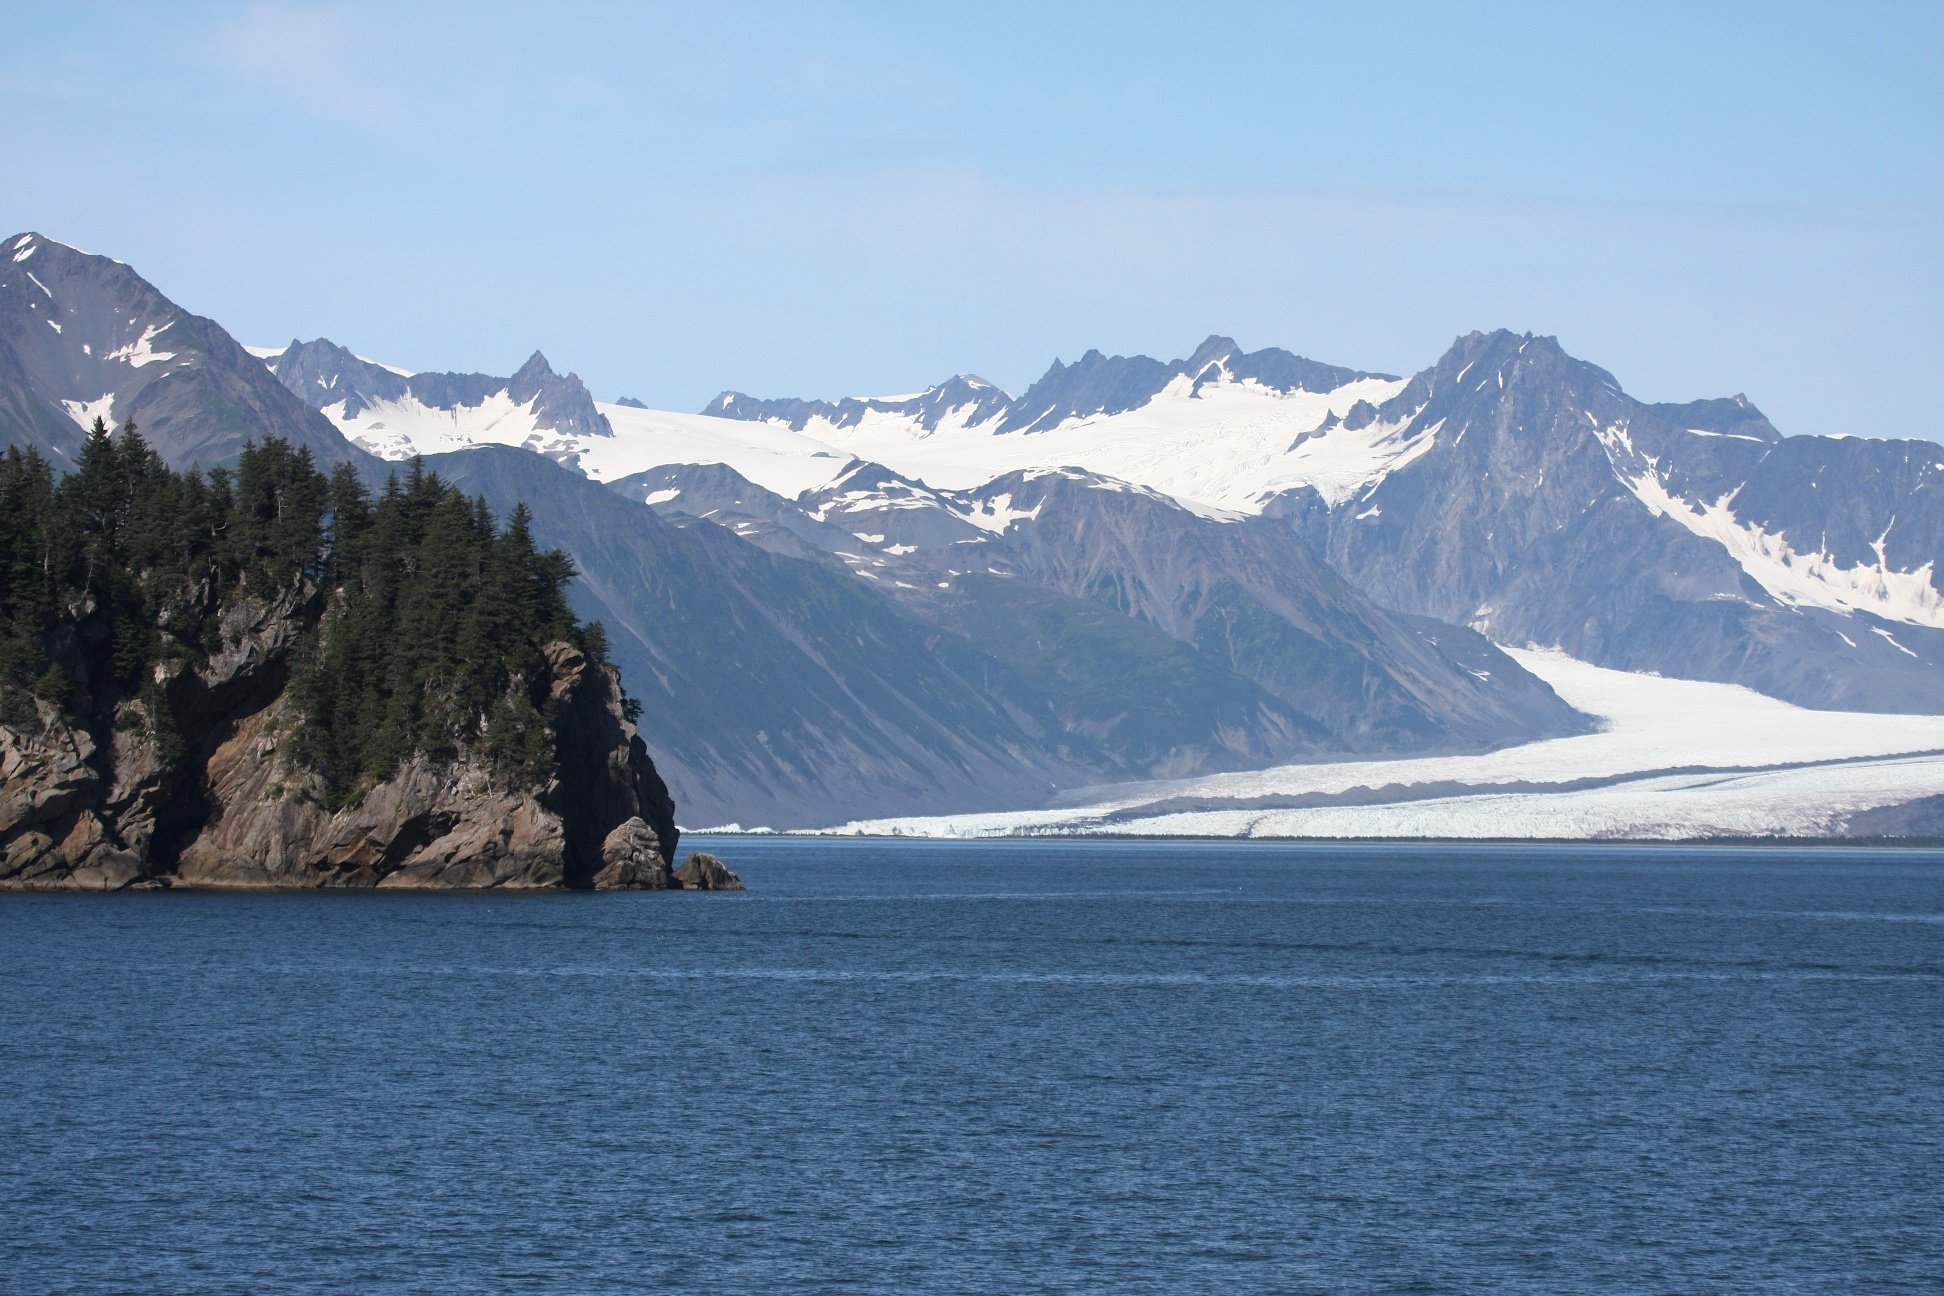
x,y
432,616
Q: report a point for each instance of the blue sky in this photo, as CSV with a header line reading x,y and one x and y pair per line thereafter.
x,y
813,199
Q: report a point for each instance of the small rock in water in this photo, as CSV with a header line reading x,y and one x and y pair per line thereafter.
x,y
631,859
702,871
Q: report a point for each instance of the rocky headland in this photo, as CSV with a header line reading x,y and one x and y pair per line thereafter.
x,y
270,680
81,810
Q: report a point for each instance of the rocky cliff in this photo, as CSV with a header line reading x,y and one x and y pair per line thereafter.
x,y
211,797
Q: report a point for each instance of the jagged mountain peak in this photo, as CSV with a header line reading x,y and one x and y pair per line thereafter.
x,y
968,382
397,415
329,376
1500,343
865,475
1215,347
535,370
1497,366
964,397
1096,384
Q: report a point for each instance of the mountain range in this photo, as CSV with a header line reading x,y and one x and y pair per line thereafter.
x,y
959,599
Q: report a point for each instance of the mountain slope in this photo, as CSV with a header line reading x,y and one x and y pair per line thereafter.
x,y
772,688
83,336
1546,506
1323,669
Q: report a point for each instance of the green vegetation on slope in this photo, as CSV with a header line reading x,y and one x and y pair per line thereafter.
x,y
424,620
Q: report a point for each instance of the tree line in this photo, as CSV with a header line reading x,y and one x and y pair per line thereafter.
x,y
424,617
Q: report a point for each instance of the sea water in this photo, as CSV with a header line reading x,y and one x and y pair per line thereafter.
x,y
996,1067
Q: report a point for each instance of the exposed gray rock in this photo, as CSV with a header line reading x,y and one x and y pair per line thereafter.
x,y
50,821
1519,518
1165,643
1095,384
720,494
966,396
1101,384
82,335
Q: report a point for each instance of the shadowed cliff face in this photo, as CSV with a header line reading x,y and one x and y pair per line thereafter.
x,y
103,803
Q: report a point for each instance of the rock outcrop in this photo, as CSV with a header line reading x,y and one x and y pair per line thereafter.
x,y
702,871
213,798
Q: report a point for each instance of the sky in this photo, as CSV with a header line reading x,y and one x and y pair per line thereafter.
x,y
833,199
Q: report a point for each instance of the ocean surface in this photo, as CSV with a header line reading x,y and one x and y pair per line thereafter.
x,y
996,1067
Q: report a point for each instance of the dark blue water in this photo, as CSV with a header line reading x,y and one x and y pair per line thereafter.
x,y
1000,1068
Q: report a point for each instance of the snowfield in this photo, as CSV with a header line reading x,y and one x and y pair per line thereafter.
x,y
1673,759
1226,449
1223,451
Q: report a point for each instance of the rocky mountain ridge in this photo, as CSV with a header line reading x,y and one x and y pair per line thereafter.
x,y
83,336
358,393
1095,384
1509,487
1542,504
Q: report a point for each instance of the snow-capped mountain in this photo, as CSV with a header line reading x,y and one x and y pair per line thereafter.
x,y
395,415
82,337
1342,675
1211,431
1509,486
1546,506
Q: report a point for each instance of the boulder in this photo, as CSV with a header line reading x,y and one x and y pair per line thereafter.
x,y
631,860
702,871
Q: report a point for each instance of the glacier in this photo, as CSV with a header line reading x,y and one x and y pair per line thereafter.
x,y
1673,759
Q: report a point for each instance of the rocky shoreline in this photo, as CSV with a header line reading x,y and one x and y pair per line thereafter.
x,y
219,803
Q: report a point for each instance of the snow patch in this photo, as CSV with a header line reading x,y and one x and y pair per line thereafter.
x,y
1892,641
86,412
1812,580
997,513
1222,452
1730,436
142,351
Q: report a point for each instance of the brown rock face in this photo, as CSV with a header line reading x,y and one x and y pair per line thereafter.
x,y
631,860
103,811
702,871
50,825
429,825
